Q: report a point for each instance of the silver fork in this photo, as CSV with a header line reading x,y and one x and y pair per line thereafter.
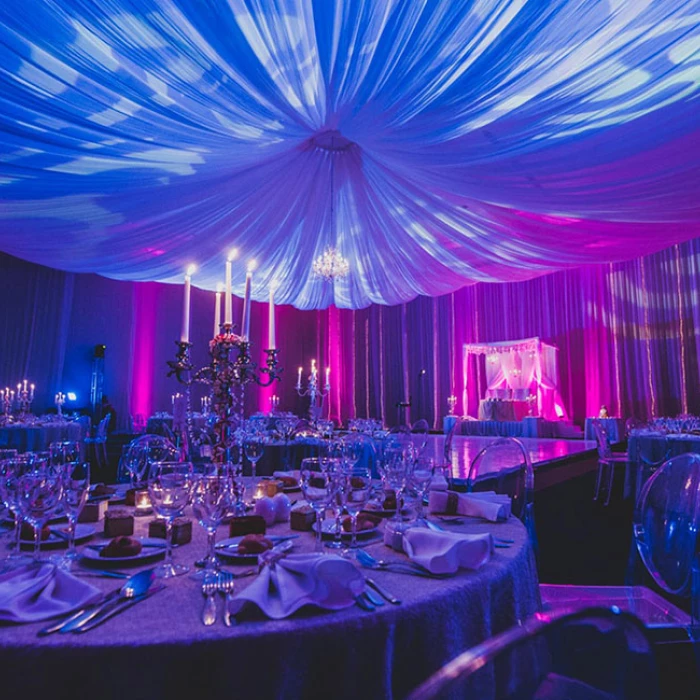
x,y
226,586
209,589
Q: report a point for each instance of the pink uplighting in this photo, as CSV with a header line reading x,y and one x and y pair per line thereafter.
x,y
145,302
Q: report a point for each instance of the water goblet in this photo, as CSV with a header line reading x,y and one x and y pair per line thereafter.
x,y
421,477
397,472
10,470
39,492
253,446
358,489
212,497
318,486
76,486
64,452
170,490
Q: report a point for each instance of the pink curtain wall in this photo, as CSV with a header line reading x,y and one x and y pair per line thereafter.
x,y
627,335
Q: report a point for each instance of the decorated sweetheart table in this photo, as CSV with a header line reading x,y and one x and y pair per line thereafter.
x,y
159,647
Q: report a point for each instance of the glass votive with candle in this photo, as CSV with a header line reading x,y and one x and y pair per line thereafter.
x,y
142,501
260,491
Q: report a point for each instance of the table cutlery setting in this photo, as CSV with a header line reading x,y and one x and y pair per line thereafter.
x,y
136,588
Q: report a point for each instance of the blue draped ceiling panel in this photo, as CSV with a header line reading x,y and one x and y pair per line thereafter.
x,y
461,140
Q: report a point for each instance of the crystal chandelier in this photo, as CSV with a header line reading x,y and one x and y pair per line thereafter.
x,y
330,265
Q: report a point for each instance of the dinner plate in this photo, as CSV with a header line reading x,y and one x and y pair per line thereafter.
x,y
116,498
329,530
93,555
82,533
227,548
383,512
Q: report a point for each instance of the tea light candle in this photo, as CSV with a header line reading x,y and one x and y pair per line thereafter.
x,y
142,502
260,491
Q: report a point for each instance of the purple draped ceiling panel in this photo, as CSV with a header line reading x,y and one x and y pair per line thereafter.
x,y
436,144
628,337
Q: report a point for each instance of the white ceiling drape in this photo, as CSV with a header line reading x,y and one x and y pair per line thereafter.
x,y
469,140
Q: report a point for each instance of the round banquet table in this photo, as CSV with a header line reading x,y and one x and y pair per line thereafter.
x,y
36,437
158,648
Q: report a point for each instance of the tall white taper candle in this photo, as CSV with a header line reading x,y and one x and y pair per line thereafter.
x,y
185,332
271,321
217,310
228,302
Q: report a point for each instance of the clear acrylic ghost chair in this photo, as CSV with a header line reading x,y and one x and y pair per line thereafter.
x,y
420,430
591,654
98,443
141,452
607,460
504,466
665,532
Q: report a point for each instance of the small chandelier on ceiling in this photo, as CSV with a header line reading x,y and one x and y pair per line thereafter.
x,y
330,265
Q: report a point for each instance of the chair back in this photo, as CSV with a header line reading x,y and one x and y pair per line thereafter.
x,y
101,431
420,430
666,523
141,452
505,467
602,440
594,653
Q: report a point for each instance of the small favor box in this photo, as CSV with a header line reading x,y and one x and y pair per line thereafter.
x,y
302,518
247,525
93,511
130,497
182,530
118,521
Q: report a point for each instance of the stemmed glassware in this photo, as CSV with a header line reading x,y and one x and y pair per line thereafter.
x,y
76,486
357,492
253,446
212,498
397,472
10,469
40,488
170,489
318,485
421,477
64,452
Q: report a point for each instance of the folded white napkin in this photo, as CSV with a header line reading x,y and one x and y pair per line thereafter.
x,y
442,552
293,473
438,483
483,504
39,592
325,581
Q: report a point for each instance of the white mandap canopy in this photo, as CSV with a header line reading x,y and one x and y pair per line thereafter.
x,y
518,369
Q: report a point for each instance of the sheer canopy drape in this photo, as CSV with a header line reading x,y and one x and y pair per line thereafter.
x,y
435,144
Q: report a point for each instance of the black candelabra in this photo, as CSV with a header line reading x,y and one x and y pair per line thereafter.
x,y
228,372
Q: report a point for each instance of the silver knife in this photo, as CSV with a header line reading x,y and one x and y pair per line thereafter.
x,y
119,607
382,591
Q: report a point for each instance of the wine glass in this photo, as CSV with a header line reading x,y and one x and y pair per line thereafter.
x,y
76,486
40,488
170,489
212,497
63,452
10,469
318,485
334,466
421,477
253,446
357,492
397,473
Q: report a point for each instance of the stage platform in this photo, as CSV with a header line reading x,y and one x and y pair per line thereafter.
x,y
553,459
528,427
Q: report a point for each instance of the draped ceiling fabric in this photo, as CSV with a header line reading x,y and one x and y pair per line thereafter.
x,y
469,140
519,368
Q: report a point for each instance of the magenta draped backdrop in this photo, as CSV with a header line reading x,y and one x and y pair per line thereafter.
x,y
627,335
